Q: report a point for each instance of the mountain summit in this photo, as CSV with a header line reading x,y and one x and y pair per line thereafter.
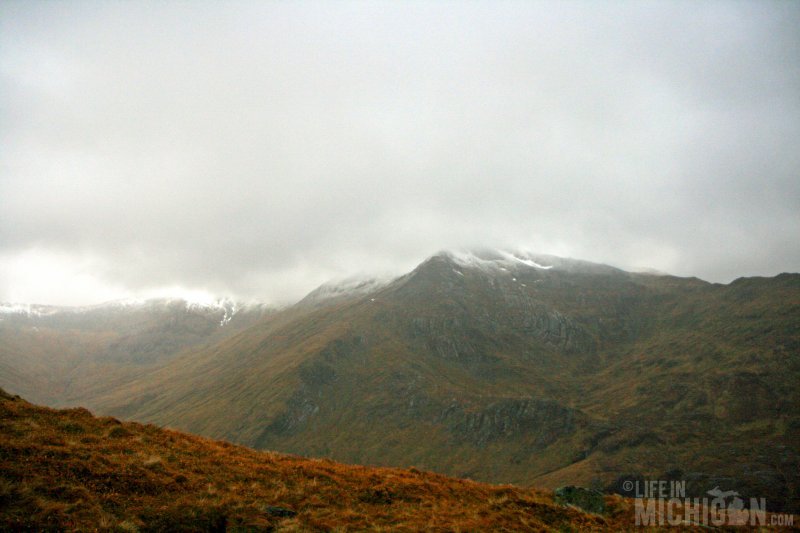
x,y
498,259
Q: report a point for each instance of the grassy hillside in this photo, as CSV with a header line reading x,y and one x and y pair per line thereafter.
x,y
68,470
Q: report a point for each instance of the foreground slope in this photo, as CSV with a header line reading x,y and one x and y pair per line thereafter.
x,y
69,470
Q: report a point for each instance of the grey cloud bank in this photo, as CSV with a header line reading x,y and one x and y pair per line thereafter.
x,y
256,149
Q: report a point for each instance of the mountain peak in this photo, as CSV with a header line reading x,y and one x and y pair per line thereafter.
x,y
495,258
346,287
492,260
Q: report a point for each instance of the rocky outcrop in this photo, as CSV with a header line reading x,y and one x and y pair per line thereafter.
x,y
587,499
450,338
540,422
474,306
315,374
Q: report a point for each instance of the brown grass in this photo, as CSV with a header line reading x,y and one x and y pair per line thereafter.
x,y
68,470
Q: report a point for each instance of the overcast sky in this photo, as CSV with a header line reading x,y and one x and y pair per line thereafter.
x,y
256,149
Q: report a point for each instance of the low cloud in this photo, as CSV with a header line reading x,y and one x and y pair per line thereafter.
x,y
256,149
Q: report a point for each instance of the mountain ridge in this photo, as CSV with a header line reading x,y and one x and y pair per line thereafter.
x,y
494,368
362,282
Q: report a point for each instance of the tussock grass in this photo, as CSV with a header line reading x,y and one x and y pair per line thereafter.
x,y
72,471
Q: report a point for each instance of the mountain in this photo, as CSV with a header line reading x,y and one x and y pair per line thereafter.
x,y
508,367
67,470
63,355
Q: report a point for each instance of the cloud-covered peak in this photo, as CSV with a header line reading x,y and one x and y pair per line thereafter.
x,y
259,149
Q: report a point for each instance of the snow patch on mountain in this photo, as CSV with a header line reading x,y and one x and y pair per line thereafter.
x,y
228,308
525,261
27,309
510,261
225,307
488,260
347,287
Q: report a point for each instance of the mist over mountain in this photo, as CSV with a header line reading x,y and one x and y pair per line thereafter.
x,y
55,355
261,149
501,366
